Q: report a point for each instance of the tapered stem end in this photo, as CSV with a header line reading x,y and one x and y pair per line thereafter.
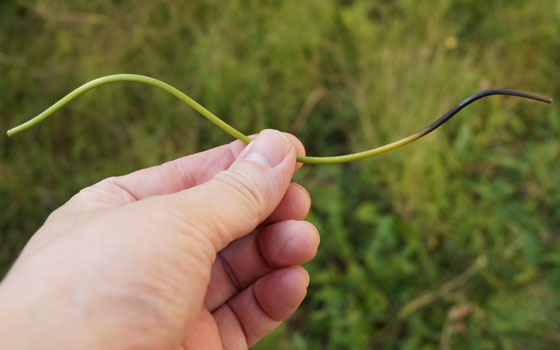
x,y
541,98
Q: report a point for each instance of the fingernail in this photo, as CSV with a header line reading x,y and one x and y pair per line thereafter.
x,y
268,149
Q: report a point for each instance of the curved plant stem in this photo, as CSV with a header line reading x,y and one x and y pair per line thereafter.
x,y
239,135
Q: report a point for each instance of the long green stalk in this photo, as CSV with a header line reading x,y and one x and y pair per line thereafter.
x,y
239,135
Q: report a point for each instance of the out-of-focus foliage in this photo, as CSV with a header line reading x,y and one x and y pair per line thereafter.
x,y
404,234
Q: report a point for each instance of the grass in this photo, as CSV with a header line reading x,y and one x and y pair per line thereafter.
x,y
344,76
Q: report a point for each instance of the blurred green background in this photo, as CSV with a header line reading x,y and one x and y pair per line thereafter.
x,y
449,243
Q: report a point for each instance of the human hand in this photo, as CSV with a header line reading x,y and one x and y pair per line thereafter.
x,y
199,253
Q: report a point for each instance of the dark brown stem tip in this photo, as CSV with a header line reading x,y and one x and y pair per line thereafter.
x,y
541,98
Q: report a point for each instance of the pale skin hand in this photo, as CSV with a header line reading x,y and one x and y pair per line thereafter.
x,y
199,253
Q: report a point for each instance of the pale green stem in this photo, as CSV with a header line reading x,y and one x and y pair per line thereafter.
x,y
239,135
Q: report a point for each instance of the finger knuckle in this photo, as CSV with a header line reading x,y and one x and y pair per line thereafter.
x,y
248,192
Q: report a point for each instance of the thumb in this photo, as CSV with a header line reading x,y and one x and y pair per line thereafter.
x,y
238,199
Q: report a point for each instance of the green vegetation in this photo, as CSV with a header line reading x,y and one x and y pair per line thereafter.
x,y
449,243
